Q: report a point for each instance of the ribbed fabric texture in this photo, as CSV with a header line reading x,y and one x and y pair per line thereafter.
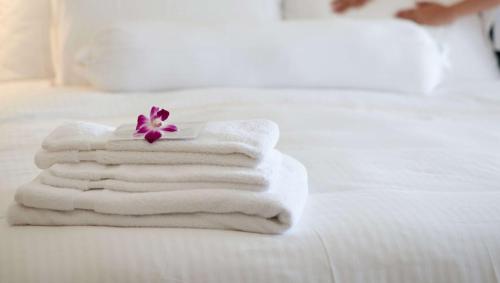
x,y
440,155
378,236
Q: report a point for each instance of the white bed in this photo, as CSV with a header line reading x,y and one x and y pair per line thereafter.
x,y
403,188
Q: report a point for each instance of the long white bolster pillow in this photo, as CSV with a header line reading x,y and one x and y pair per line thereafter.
x,y
384,55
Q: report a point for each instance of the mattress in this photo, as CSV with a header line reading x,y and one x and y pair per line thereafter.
x,y
403,188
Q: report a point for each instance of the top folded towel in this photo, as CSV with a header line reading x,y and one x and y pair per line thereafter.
x,y
241,143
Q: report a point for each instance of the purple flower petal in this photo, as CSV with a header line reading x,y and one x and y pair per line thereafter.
x,y
163,114
152,136
143,129
153,113
141,120
170,128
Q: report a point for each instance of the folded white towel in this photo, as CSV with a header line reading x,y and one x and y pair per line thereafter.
x,y
22,215
263,212
44,159
238,143
47,178
153,178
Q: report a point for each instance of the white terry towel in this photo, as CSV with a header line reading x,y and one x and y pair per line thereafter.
x,y
44,159
47,178
233,143
270,212
153,178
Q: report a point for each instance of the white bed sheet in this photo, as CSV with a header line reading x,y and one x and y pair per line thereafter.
x,y
403,189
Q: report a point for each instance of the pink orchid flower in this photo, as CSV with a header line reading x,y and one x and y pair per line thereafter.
x,y
153,127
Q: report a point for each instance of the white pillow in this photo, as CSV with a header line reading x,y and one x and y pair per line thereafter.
x,y
379,55
76,21
470,57
24,39
469,52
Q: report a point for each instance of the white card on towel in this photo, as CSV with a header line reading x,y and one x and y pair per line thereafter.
x,y
185,131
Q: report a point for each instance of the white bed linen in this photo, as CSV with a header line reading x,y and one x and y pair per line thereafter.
x,y
403,189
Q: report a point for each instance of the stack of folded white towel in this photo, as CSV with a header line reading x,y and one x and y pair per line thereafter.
x,y
229,177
